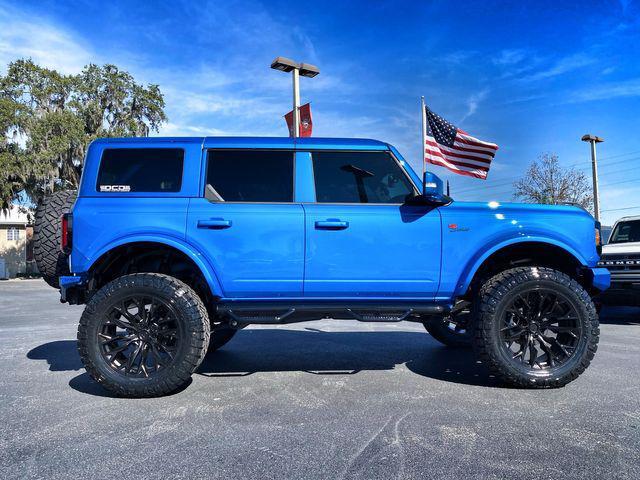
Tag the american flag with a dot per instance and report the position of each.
(452, 148)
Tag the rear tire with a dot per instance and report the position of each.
(135, 351)
(536, 327)
(50, 260)
(452, 334)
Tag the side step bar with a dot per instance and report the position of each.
(242, 313)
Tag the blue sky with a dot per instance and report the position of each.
(530, 76)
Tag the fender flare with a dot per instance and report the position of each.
(207, 270)
(473, 266)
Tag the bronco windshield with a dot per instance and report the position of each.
(626, 232)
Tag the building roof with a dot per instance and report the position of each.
(14, 216)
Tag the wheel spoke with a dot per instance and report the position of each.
(121, 348)
(143, 360)
(150, 339)
(116, 338)
(152, 308)
(510, 336)
(156, 356)
(124, 311)
(540, 328)
(521, 353)
(533, 351)
(142, 311)
(166, 350)
(558, 329)
(132, 358)
(554, 305)
(547, 351)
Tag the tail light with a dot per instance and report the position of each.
(598, 238)
(66, 237)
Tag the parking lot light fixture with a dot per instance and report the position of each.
(284, 64)
(306, 70)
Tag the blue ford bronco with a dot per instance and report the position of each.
(174, 244)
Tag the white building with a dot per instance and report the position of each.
(15, 235)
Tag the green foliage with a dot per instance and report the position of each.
(49, 119)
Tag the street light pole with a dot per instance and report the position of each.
(592, 139)
(306, 70)
(296, 102)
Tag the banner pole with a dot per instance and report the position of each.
(423, 146)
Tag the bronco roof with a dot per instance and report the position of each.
(258, 142)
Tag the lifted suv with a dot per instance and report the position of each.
(177, 243)
(621, 256)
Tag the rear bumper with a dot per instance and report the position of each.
(72, 289)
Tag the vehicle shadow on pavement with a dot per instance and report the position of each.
(310, 350)
(329, 353)
(61, 355)
(620, 316)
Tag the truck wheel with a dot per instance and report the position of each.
(51, 261)
(220, 335)
(143, 335)
(452, 334)
(536, 327)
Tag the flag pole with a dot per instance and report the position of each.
(422, 147)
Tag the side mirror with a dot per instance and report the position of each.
(428, 200)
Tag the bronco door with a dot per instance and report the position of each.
(246, 224)
(362, 241)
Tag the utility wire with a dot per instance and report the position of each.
(587, 167)
(620, 209)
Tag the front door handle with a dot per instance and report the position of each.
(331, 224)
(214, 223)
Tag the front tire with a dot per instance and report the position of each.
(536, 327)
(143, 335)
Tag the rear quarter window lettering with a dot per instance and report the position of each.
(140, 170)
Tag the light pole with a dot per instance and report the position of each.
(592, 139)
(306, 70)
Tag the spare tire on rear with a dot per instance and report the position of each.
(51, 261)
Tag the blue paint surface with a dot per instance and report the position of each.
(310, 250)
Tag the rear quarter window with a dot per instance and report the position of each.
(140, 170)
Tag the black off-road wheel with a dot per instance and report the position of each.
(50, 260)
(453, 330)
(143, 335)
(536, 327)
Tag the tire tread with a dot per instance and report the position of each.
(191, 307)
(50, 260)
(489, 296)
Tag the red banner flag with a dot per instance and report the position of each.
(306, 124)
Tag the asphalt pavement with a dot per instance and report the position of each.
(318, 400)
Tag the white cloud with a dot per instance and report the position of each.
(627, 88)
(472, 103)
(562, 66)
(28, 36)
(509, 57)
(170, 129)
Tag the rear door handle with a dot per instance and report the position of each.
(214, 223)
(331, 224)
